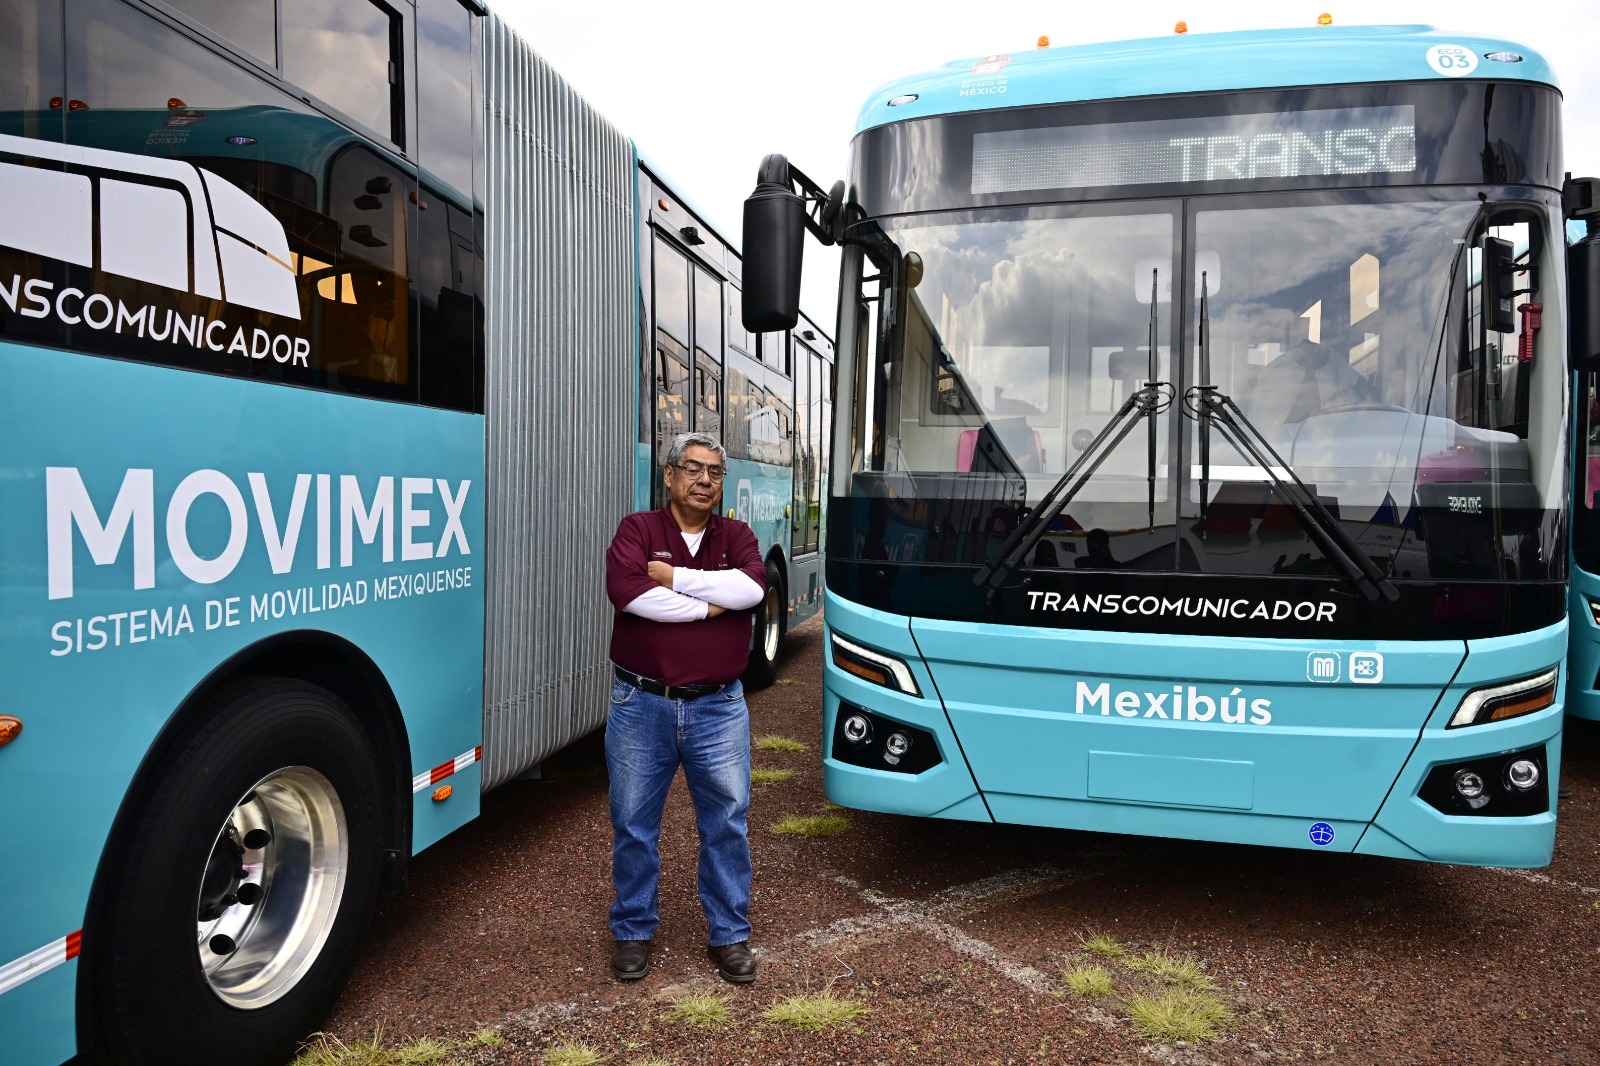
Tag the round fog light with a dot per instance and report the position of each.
(897, 744)
(1469, 783)
(1523, 774)
(857, 730)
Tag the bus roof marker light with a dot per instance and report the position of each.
(1503, 57)
(1044, 41)
(1325, 19)
(1181, 27)
(907, 98)
(240, 140)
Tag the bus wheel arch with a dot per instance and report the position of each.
(771, 622)
(317, 705)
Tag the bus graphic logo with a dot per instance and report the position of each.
(1324, 667)
(742, 500)
(1321, 834)
(1366, 667)
(160, 221)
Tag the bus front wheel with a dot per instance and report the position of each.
(767, 647)
(246, 886)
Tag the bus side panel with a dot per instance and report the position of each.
(153, 523)
(758, 495)
(1514, 841)
(1583, 646)
(945, 790)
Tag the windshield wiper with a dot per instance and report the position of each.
(1212, 407)
(1144, 403)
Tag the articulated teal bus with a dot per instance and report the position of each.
(335, 339)
(1203, 441)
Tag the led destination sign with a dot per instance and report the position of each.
(1285, 144)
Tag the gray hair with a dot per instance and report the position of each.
(684, 441)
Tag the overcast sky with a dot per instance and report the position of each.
(707, 87)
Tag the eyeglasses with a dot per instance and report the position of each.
(692, 471)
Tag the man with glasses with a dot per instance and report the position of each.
(683, 580)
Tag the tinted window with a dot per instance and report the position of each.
(444, 94)
(671, 370)
(250, 24)
(31, 85)
(708, 353)
(344, 52)
(742, 400)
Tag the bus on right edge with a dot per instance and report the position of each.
(1202, 442)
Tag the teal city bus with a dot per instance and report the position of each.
(1203, 440)
(334, 343)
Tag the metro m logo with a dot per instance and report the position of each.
(172, 225)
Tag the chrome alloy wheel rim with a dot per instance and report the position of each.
(773, 623)
(271, 888)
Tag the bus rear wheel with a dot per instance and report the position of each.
(246, 885)
(767, 647)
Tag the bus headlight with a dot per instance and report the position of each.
(857, 730)
(873, 666)
(1523, 775)
(1512, 699)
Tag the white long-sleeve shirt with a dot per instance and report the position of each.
(692, 593)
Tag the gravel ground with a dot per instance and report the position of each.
(954, 935)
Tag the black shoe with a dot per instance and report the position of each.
(630, 959)
(734, 962)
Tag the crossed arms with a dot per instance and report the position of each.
(685, 595)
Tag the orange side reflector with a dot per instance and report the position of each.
(1181, 27)
(442, 793)
(10, 729)
(1537, 700)
(862, 670)
(1044, 42)
(1324, 19)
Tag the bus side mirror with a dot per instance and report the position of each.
(1583, 304)
(1582, 202)
(774, 240)
(1499, 279)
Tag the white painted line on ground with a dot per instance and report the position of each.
(1545, 879)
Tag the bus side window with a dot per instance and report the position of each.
(364, 324)
(707, 353)
(31, 75)
(671, 344)
(346, 52)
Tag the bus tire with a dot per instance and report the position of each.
(248, 882)
(766, 648)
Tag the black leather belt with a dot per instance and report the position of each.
(656, 688)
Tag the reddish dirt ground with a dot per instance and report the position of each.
(954, 935)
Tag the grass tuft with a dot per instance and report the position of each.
(1181, 973)
(653, 1060)
(1188, 1014)
(331, 1051)
(705, 1010)
(813, 826)
(485, 1038)
(572, 1055)
(1087, 981)
(760, 776)
(815, 1013)
(786, 681)
(1104, 946)
(773, 742)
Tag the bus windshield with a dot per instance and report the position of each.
(1346, 328)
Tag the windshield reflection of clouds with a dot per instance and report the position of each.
(1004, 296)
(1344, 332)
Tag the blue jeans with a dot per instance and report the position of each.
(647, 738)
